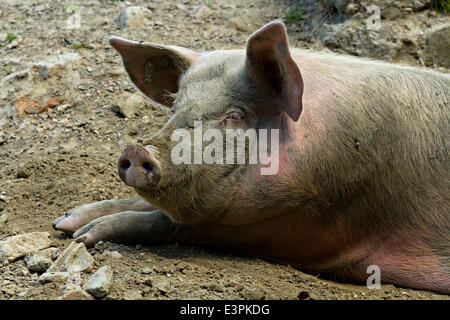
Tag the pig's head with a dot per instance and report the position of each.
(260, 88)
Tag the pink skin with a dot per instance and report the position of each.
(294, 236)
(82, 215)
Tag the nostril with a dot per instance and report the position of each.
(148, 167)
(124, 164)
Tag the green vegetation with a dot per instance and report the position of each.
(209, 4)
(441, 5)
(7, 69)
(294, 14)
(10, 37)
(77, 46)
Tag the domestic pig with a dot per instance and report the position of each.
(362, 174)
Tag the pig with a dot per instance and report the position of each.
(363, 169)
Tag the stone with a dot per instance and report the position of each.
(53, 65)
(438, 46)
(133, 294)
(40, 261)
(113, 254)
(22, 174)
(127, 104)
(14, 44)
(77, 294)
(351, 9)
(100, 282)
(147, 270)
(239, 24)
(254, 294)
(391, 13)
(57, 276)
(9, 83)
(340, 5)
(135, 17)
(75, 258)
(15, 247)
(163, 286)
(216, 287)
(203, 12)
(3, 219)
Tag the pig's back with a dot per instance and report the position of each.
(381, 132)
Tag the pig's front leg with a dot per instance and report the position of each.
(128, 228)
(82, 215)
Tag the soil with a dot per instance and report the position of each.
(55, 155)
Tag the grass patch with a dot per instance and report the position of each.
(10, 37)
(209, 4)
(441, 5)
(7, 69)
(294, 15)
(77, 46)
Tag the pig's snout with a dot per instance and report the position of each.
(138, 168)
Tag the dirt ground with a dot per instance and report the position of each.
(54, 160)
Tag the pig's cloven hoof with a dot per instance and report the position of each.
(96, 230)
(75, 218)
(66, 224)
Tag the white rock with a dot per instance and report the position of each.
(3, 219)
(203, 12)
(135, 17)
(16, 247)
(58, 277)
(77, 294)
(41, 260)
(438, 45)
(53, 65)
(75, 258)
(128, 103)
(100, 282)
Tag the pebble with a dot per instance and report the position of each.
(113, 254)
(438, 46)
(55, 64)
(239, 24)
(254, 294)
(40, 261)
(75, 258)
(135, 17)
(3, 219)
(99, 283)
(133, 294)
(18, 246)
(57, 276)
(147, 270)
(163, 286)
(303, 295)
(22, 173)
(216, 287)
(203, 12)
(77, 294)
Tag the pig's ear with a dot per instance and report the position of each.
(154, 69)
(270, 66)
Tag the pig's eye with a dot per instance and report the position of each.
(233, 116)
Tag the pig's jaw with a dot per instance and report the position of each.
(179, 209)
